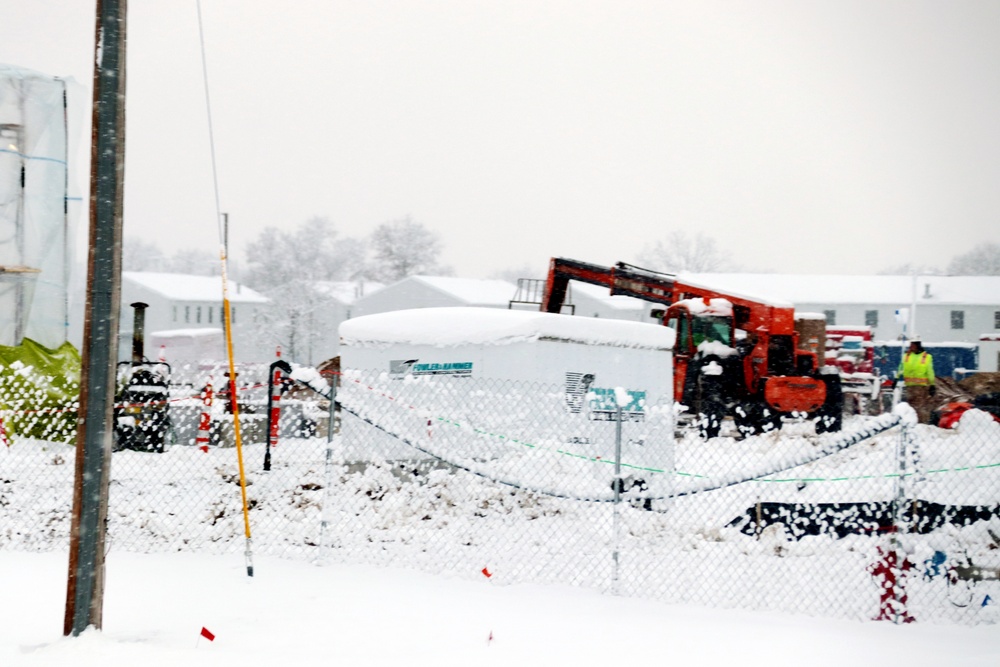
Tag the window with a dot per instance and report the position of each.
(996, 319)
(831, 316)
(232, 314)
(958, 319)
(197, 315)
(210, 311)
(187, 314)
(175, 313)
(871, 318)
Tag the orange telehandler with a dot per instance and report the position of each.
(733, 355)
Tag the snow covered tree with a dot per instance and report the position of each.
(286, 266)
(515, 273)
(139, 255)
(681, 252)
(911, 269)
(983, 260)
(403, 248)
(194, 262)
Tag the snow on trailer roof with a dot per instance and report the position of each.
(184, 287)
(450, 327)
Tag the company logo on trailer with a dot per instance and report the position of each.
(414, 367)
(601, 404)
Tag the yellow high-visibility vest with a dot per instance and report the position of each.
(917, 369)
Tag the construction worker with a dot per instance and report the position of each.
(917, 372)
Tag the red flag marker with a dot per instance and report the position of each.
(204, 448)
(207, 634)
(487, 573)
(490, 639)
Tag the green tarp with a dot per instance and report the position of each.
(39, 391)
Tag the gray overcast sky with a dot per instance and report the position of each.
(841, 136)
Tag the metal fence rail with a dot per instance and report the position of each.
(888, 519)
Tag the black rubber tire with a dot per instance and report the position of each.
(754, 418)
(830, 417)
(713, 406)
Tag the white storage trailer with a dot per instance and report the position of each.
(513, 345)
(568, 374)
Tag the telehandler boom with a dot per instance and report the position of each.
(734, 354)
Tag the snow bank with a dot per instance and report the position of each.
(296, 614)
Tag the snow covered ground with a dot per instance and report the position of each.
(449, 522)
(293, 613)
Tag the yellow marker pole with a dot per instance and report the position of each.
(237, 432)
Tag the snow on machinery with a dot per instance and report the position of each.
(851, 349)
(734, 355)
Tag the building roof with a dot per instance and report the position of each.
(184, 287)
(470, 291)
(604, 296)
(347, 292)
(833, 289)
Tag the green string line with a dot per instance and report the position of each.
(582, 457)
(799, 480)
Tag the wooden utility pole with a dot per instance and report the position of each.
(85, 586)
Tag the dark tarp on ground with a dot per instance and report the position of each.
(842, 519)
(40, 390)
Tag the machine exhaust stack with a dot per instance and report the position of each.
(139, 332)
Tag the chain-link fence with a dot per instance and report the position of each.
(887, 519)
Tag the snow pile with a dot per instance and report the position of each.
(444, 327)
(712, 307)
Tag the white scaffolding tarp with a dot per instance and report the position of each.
(33, 223)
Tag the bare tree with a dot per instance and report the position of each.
(681, 252)
(194, 262)
(403, 248)
(983, 260)
(139, 255)
(515, 273)
(911, 269)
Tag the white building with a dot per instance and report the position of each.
(436, 292)
(432, 292)
(597, 301)
(937, 308)
(341, 297)
(989, 353)
(188, 310)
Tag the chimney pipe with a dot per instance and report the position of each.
(138, 331)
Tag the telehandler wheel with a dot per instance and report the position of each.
(754, 418)
(830, 417)
(712, 406)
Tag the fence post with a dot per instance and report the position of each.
(616, 516)
(334, 412)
